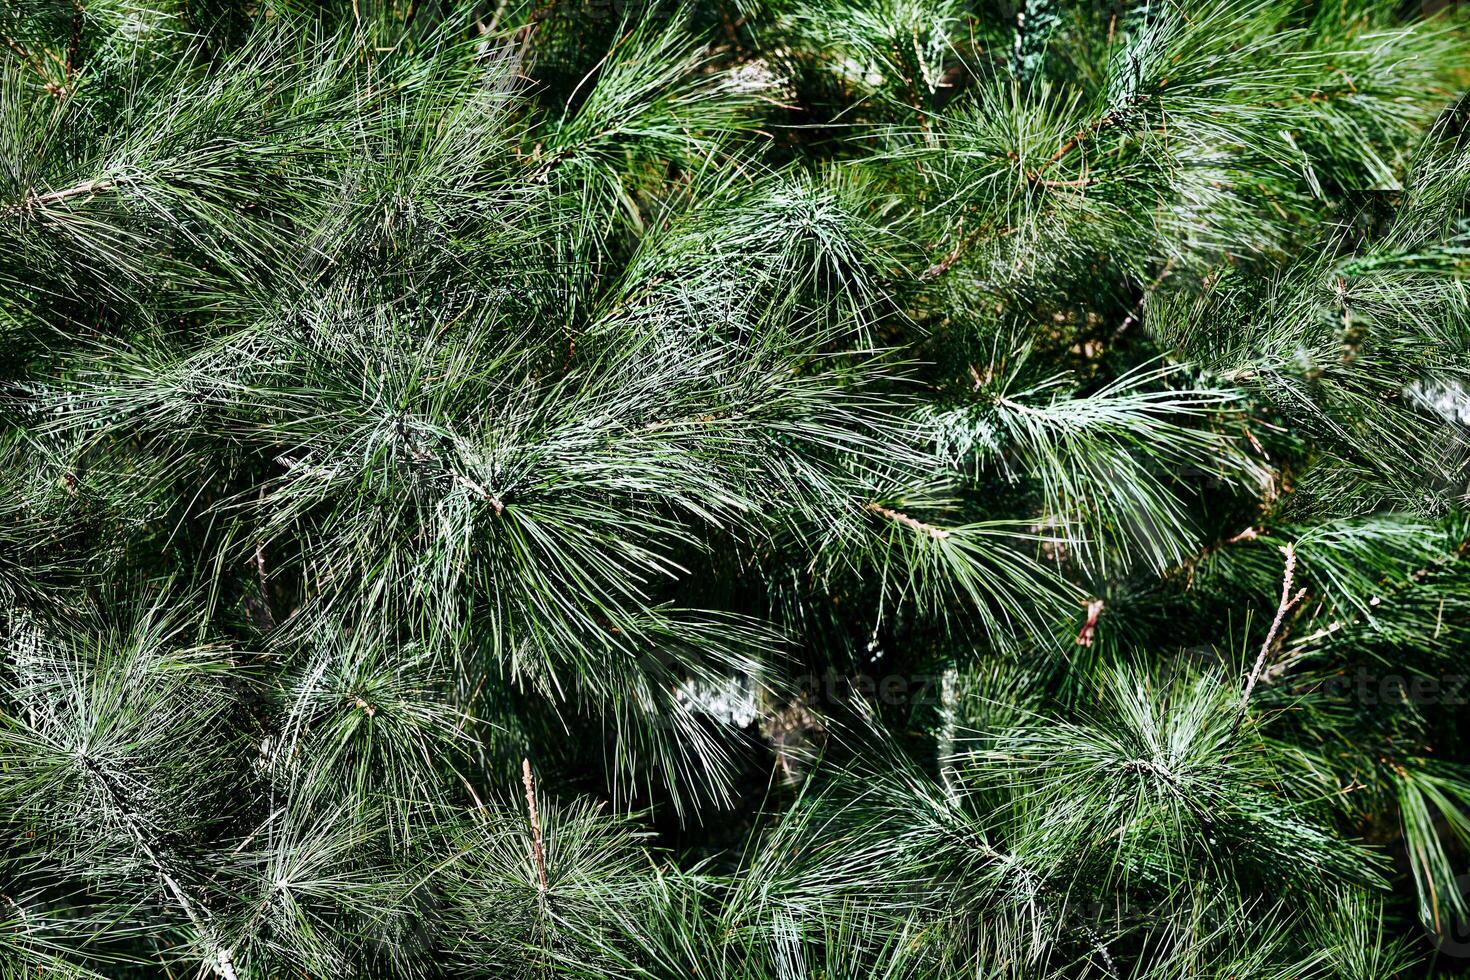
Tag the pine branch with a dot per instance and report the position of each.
(220, 957)
(592, 379)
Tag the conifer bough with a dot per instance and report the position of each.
(787, 489)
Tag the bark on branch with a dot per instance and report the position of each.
(1288, 600)
(538, 845)
(898, 517)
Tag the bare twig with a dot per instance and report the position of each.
(1137, 310)
(1088, 634)
(495, 18)
(55, 197)
(1414, 578)
(480, 491)
(942, 266)
(267, 616)
(86, 187)
(526, 31)
(897, 517)
(1077, 139)
(1283, 607)
(1037, 176)
(1078, 183)
(74, 47)
(538, 846)
(20, 50)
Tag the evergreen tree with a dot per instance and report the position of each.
(737, 489)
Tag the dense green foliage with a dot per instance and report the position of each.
(754, 489)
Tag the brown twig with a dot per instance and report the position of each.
(36, 200)
(1288, 600)
(268, 617)
(86, 187)
(538, 846)
(265, 596)
(1036, 176)
(1085, 133)
(942, 266)
(74, 48)
(1079, 182)
(1088, 634)
(36, 63)
(1137, 310)
(898, 517)
(526, 31)
(1416, 577)
(480, 491)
